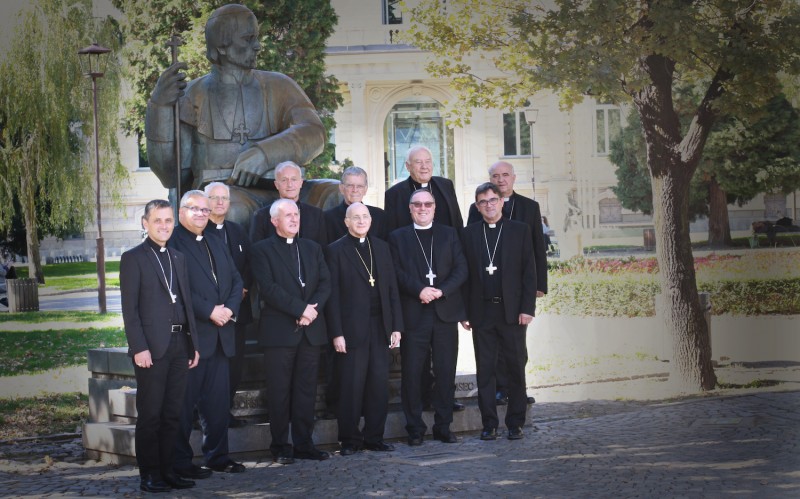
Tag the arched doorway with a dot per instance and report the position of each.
(416, 120)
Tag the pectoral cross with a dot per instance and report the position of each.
(372, 282)
(430, 275)
(242, 131)
(491, 268)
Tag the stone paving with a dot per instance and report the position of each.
(710, 446)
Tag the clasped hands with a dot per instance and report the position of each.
(221, 315)
(428, 294)
(309, 315)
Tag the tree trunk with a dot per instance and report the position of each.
(719, 227)
(28, 204)
(691, 368)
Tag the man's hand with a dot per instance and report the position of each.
(193, 362)
(466, 325)
(143, 359)
(395, 340)
(220, 315)
(170, 85)
(310, 313)
(339, 344)
(428, 294)
(539, 294)
(251, 165)
(525, 319)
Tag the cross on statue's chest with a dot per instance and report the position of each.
(430, 275)
(242, 131)
(491, 268)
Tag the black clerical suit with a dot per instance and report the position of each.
(291, 353)
(147, 278)
(235, 238)
(312, 224)
(526, 210)
(395, 203)
(335, 227)
(214, 281)
(494, 302)
(365, 316)
(431, 327)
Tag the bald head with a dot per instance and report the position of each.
(502, 175)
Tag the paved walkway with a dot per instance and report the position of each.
(713, 446)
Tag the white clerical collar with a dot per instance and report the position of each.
(162, 249)
(505, 200)
(221, 226)
(289, 240)
(198, 238)
(424, 186)
(362, 239)
(426, 227)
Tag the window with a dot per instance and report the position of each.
(610, 211)
(516, 135)
(391, 12)
(606, 128)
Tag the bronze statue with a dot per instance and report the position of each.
(236, 123)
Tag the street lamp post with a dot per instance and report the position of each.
(93, 60)
(530, 117)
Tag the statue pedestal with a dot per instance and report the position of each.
(570, 244)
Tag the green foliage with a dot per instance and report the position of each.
(28, 352)
(72, 269)
(46, 120)
(57, 316)
(754, 296)
(293, 36)
(43, 415)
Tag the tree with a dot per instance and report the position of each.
(741, 160)
(45, 119)
(293, 36)
(628, 52)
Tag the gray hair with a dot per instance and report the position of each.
(355, 171)
(287, 164)
(416, 148)
(278, 204)
(213, 185)
(194, 193)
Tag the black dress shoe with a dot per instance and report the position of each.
(379, 446)
(229, 467)
(348, 450)
(489, 434)
(414, 440)
(283, 459)
(447, 438)
(194, 472)
(314, 454)
(153, 483)
(236, 422)
(177, 482)
(458, 407)
(531, 400)
(515, 433)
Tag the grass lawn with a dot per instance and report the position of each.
(46, 415)
(57, 316)
(30, 352)
(70, 269)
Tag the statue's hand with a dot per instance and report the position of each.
(170, 85)
(250, 166)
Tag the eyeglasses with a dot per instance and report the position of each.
(197, 209)
(359, 218)
(219, 198)
(484, 202)
(420, 204)
(354, 187)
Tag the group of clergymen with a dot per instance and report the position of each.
(355, 280)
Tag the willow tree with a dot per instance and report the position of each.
(46, 121)
(627, 52)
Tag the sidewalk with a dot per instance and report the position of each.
(742, 442)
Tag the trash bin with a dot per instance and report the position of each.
(23, 295)
(649, 239)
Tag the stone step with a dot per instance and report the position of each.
(113, 442)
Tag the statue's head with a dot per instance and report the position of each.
(232, 37)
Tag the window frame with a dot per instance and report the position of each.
(607, 135)
(519, 120)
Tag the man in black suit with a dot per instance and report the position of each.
(233, 237)
(353, 187)
(289, 181)
(162, 339)
(294, 284)
(501, 299)
(430, 268)
(364, 317)
(216, 297)
(523, 209)
(419, 163)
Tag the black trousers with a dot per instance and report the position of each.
(291, 393)
(237, 361)
(207, 390)
(439, 340)
(364, 388)
(159, 402)
(489, 340)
